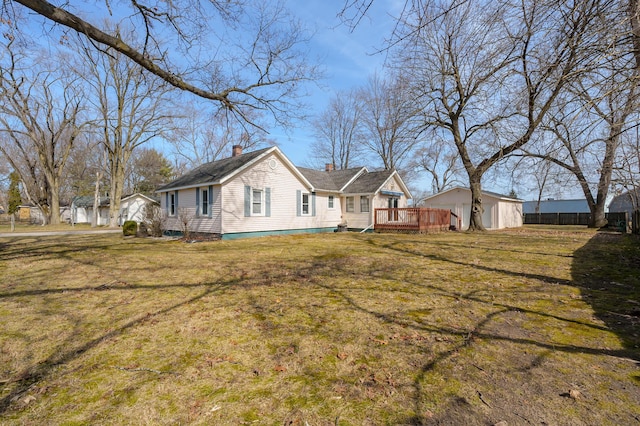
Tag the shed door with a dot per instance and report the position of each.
(486, 215)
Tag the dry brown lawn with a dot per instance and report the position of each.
(530, 327)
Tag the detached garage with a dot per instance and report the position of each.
(500, 211)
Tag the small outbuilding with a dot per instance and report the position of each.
(626, 202)
(500, 211)
(131, 208)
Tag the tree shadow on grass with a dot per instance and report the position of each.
(40, 371)
(607, 271)
(610, 260)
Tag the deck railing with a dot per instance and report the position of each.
(413, 219)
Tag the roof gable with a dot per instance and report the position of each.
(369, 183)
(87, 201)
(488, 193)
(215, 171)
(139, 195)
(627, 201)
(220, 171)
(334, 180)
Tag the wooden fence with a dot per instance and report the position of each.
(413, 219)
(614, 219)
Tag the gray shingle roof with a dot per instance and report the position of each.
(87, 201)
(335, 180)
(625, 202)
(331, 181)
(368, 183)
(213, 172)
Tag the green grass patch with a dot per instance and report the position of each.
(530, 326)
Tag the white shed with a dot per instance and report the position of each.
(132, 207)
(500, 211)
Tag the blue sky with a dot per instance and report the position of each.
(348, 58)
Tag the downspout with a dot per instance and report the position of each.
(367, 228)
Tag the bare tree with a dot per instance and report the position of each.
(441, 163)
(488, 73)
(388, 119)
(339, 139)
(243, 55)
(626, 174)
(599, 108)
(133, 106)
(199, 137)
(40, 117)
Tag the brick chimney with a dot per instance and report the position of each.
(236, 150)
(328, 167)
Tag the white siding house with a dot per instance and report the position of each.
(131, 208)
(263, 193)
(500, 211)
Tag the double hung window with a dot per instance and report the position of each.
(364, 204)
(350, 204)
(172, 204)
(257, 202)
(204, 209)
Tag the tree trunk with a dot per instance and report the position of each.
(13, 222)
(597, 215)
(96, 202)
(475, 219)
(54, 211)
(117, 181)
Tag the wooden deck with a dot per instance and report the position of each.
(415, 219)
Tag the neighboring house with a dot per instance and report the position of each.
(500, 211)
(556, 206)
(82, 210)
(626, 202)
(131, 208)
(30, 213)
(263, 193)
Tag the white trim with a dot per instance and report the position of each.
(249, 164)
(356, 176)
(283, 158)
(404, 188)
(309, 207)
(484, 193)
(346, 204)
(263, 204)
(368, 198)
(137, 194)
(333, 200)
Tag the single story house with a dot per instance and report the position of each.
(131, 208)
(500, 211)
(263, 193)
(556, 206)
